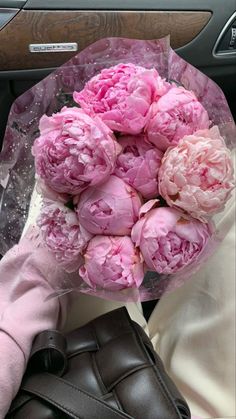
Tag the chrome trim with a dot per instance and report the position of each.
(222, 33)
(54, 47)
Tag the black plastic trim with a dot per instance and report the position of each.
(32, 74)
(121, 4)
(12, 4)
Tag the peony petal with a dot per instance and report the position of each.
(120, 267)
(152, 203)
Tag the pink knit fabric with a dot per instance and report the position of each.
(27, 277)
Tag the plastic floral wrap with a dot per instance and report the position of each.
(127, 197)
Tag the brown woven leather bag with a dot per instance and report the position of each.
(107, 369)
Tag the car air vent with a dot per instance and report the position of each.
(226, 42)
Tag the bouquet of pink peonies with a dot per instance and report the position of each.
(133, 162)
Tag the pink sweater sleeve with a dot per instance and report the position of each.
(27, 277)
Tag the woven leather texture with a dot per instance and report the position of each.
(113, 359)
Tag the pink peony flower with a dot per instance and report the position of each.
(174, 115)
(168, 241)
(112, 263)
(63, 235)
(197, 174)
(138, 165)
(121, 96)
(74, 151)
(109, 209)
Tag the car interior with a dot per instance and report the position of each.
(36, 36)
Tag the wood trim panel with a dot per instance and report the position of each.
(86, 27)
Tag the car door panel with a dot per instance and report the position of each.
(85, 27)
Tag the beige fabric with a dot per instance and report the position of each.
(193, 330)
(84, 308)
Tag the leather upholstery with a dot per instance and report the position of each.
(113, 359)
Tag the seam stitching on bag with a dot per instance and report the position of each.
(97, 374)
(127, 374)
(117, 399)
(165, 391)
(157, 374)
(94, 332)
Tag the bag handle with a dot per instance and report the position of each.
(48, 356)
(68, 398)
(48, 353)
